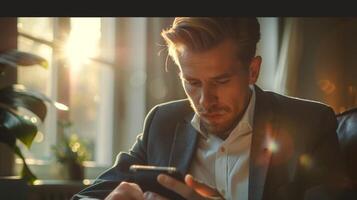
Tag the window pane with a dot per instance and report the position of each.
(38, 79)
(35, 77)
(40, 27)
(91, 107)
(83, 41)
(90, 88)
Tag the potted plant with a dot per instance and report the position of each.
(71, 152)
(15, 125)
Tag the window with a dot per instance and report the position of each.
(80, 52)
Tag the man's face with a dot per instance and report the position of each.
(217, 85)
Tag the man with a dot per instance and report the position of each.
(231, 139)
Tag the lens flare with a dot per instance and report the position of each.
(273, 146)
(305, 161)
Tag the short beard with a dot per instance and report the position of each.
(222, 133)
(206, 128)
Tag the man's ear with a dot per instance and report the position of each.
(254, 69)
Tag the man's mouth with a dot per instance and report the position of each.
(211, 116)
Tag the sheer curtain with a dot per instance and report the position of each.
(280, 47)
(285, 80)
(317, 60)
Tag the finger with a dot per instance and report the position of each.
(130, 186)
(177, 186)
(153, 196)
(126, 190)
(200, 187)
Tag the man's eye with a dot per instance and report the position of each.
(222, 81)
(193, 83)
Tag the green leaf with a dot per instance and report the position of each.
(5, 136)
(14, 124)
(28, 99)
(26, 173)
(14, 57)
(15, 97)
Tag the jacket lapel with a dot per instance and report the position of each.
(264, 132)
(184, 145)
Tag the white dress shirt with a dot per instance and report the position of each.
(224, 164)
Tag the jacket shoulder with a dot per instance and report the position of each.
(299, 104)
(176, 104)
(173, 109)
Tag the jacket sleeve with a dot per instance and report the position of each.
(327, 170)
(111, 178)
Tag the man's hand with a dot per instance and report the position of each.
(126, 191)
(193, 189)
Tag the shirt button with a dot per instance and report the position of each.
(222, 149)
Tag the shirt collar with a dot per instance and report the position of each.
(246, 119)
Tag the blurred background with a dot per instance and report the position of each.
(111, 71)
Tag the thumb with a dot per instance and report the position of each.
(199, 187)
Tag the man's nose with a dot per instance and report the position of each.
(208, 97)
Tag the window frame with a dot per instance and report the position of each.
(58, 92)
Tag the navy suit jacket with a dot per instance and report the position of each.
(307, 153)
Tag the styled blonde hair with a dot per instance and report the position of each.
(202, 33)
